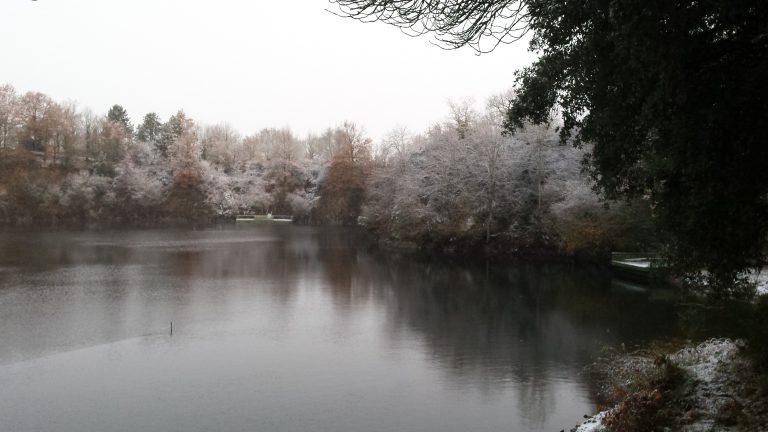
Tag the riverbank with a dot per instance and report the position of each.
(711, 386)
(497, 251)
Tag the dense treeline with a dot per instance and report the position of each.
(60, 166)
(462, 185)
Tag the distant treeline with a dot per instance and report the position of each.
(460, 186)
(61, 166)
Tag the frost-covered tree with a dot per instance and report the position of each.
(140, 193)
(395, 203)
(220, 146)
(109, 143)
(322, 146)
(9, 119)
(464, 181)
(150, 128)
(84, 198)
(489, 152)
(239, 192)
(171, 130)
(463, 115)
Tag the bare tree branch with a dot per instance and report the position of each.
(480, 24)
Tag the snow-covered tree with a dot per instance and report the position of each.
(220, 145)
(9, 119)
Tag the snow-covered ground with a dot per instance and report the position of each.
(762, 282)
(714, 367)
(593, 424)
(718, 374)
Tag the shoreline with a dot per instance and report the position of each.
(709, 386)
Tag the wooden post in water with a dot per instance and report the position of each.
(171, 328)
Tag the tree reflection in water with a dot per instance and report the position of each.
(524, 328)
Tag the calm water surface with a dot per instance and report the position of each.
(283, 328)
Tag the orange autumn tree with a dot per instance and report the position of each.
(188, 196)
(343, 191)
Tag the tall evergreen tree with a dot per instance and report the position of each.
(171, 130)
(150, 128)
(118, 114)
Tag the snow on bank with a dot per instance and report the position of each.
(593, 424)
(714, 366)
(762, 282)
(715, 370)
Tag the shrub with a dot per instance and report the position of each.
(638, 412)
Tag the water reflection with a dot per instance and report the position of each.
(486, 348)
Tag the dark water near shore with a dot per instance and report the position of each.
(283, 328)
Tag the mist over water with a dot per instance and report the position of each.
(285, 328)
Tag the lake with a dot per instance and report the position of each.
(285, 328)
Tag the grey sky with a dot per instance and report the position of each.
(251, 63)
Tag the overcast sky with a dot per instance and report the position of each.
(250, 63)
